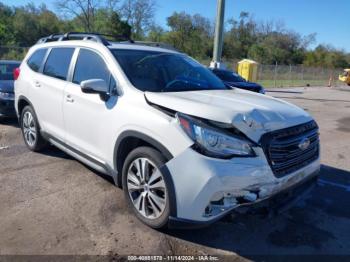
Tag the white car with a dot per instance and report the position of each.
(185, 149)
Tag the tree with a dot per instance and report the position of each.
(83, 10)
(241, 36)
(108, 21)
(192, 34)
(6, 24)
(139, 14)
(31, 23)
(156, 34)
(327, 56)
(267, 42)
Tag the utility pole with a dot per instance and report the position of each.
(219, 34)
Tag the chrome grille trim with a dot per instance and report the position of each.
(282, 150)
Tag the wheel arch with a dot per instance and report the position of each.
(129, 140)
(23, 102)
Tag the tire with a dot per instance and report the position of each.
(147, 195)
(31, 130)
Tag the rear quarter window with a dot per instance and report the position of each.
(36, 59)
(57, 63)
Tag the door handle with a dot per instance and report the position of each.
(37, 83)
(69, 99)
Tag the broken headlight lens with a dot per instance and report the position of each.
(212, 141)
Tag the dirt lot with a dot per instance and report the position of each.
(52, 204)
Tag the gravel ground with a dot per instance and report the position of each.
(50, 204)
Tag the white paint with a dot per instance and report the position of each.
(92, 126)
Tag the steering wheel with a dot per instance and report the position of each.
(179, 80)
(173, 82)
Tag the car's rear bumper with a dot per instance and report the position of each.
(7, 108)
(277, 203)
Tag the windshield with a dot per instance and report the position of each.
(6, 71)
(229, 76)
(165, 72)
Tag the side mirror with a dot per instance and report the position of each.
(94, 86)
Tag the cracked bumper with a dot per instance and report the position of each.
(198, 180)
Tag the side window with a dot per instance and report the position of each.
(36, 59)
(90, 65)
(57, 64)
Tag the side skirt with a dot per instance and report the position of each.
(88, 160)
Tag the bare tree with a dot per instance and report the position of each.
(113, 5)
(84, 10)
(139, 14)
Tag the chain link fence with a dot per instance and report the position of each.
(297, 75)
(268, 75)
(294, 75)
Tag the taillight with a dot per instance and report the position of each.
(16, 72)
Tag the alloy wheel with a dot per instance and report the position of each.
(146, 187)
(29, 128)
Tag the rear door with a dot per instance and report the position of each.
(86, 116)
(50, 90)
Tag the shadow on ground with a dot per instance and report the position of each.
(303, 227)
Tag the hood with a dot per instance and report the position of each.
(252, 113)
(6, 86)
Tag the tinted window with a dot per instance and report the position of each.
(228, 76)
(165, 72)
(58, 62)
(35, 61)
(90, 66)
(6, 70)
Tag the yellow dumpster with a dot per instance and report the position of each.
(248, 69)
(345, 77)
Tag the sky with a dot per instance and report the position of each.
(329, 19)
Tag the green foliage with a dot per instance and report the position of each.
(6, 21)
(139, 15)
(266, 42)
(191, 34)
(327, 56)
(30, 23)
(109, 22)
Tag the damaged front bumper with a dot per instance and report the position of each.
(273, 204)
(208, 188)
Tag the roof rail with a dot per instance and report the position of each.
(104, 39)
(100, 38)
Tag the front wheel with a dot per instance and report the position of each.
(145, 187)
(31, 131)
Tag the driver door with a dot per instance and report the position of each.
(86, 115)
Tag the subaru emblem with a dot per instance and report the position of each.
(304, 143)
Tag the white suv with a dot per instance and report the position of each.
(185, 149)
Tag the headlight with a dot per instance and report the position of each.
(212, 141)
(262, 91)
(7, 96)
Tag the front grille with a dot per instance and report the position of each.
(284, 151)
